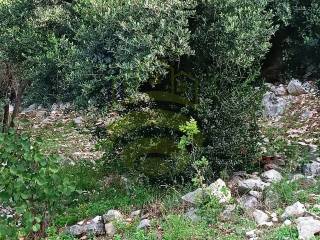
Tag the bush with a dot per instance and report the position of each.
(30, 184)
(230, 39)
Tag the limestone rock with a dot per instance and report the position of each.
(295, 210)
(296, 88)
(228, 213)
(273, 106)
(94, 227)
(217, 189)
(307, 227)
(192, 215)
(135, 214)
(249, 203)
(255, 184)
(312, 169)
(271, 176)
(112, 215)
(110, 230)
(144, 224)
(260, 217)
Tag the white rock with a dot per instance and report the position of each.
(110, 230)
(260, 217)
(94, 226)
(78, 121)
(295, 210)
(112, 215)
(217, 189)
(145, 223)
(251, 234)
(307, 227)
(228, 212)
(271, 176)
(295, 88)
(287, 222)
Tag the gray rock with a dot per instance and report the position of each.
(217, 189)
(296, 88)
(308, 227)
(251, 234)
(78, 121)
(272, 199)
(248, 202)
(280, 90)
(144, 224)
(271, 176)
(110, 230)
(260, 217)
(228, 213)
(29, 109)
(287, 222)
(312, 169)
(294, 211)
(112, 215)
(256, 194)
(192, 215)
(94, 227)
(135, 214)
(273, 106)
(255, 184)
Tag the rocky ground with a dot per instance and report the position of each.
(282, 201)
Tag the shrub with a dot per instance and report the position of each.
(30, 183)
(230, 39)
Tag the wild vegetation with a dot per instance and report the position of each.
(166, 93)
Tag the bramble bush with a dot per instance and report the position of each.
(30, 184)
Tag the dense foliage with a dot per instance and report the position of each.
(30, 184)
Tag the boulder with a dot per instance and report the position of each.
(92, 227)
(296, 88)
(112, 215)
(217, 189)
(144, 224)
(255, 184)
(308, 227)
(110, 230)
(256, 194)
(271, 176)
(294, 211)
(249, 203)
(312, 169)
(260, 217)
(273, 106)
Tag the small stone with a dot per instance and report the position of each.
(273, 106)
(295, 210)
(308, 227)
(287, 222)
(251, 234)
(260, 217)
(110, 229)
(144, 224)
(112, 215)
(266, 224)
(94, 226)
(271, 176)
(78, 121)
